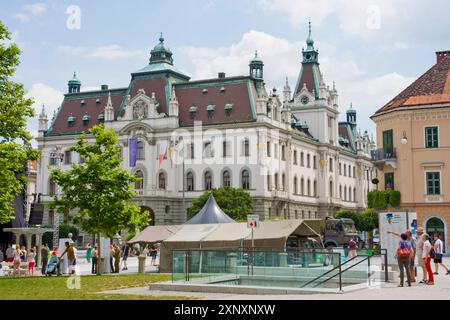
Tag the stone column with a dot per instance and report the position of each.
(18, 235)
(39, 247)
(28, 240)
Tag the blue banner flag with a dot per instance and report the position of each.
(133, 152)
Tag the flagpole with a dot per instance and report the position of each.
(184, 187)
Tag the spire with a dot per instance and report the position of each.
(286, 91)
(43, 121)
(43, 115)
(309, 40)
(109, 109)
(161, 38)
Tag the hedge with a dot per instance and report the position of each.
(381, 199)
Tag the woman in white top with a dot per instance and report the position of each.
(427, 258)
(439, 249)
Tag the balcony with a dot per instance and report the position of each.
(382, 157)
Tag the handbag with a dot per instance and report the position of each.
(403, 252)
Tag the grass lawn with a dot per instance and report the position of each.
(55, 288)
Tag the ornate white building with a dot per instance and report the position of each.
(184, 137)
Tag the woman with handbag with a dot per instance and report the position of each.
(403, 255)
(427, 255)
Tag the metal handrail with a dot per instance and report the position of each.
(342, 271)
(337, 267)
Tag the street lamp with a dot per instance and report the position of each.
(404, 140)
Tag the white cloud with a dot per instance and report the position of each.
(111, 52)
(30, 10)
(361, 18)
(47, 95)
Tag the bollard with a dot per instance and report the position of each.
(141, 268)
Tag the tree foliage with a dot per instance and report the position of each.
(237, 203)
(366, 220)
(15, 109)
(64, 230)
(380, 199)
(99, 190)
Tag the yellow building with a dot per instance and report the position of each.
(413, 147)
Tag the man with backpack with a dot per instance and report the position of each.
(403, 255)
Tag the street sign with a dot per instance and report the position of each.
(252, 221)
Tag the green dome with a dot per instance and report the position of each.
(256, 59)
(161, 53)
(161, 46)
(309, 40)
(74, 80)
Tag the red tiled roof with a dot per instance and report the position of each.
(432, 87)
(236, 93)
(72, 106)
(307, 77)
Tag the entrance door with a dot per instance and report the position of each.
(436, 225)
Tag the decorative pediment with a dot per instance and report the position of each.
(139, 130)
(304, 97)
(142, 107)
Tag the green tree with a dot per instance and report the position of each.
(15, 151)
(99, 189)
(355, 216)
(237, 203)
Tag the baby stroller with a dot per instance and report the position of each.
(53, 267)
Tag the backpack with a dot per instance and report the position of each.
(432, 253)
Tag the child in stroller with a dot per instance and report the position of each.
(53, 265)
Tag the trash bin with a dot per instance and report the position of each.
(141, 267)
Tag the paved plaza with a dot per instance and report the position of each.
(386, 291)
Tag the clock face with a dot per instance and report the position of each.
(304, 100)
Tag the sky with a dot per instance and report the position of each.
(371, 49)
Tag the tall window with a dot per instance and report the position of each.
(275, 178)
(139, 183)
(302, 186)
(208, 180)
(354, 194)
(268, 149)
(431, 137)
(245, 179)
(246, 147)
(140, 150)
(68, 157)
(295, 186)
(315, 188)
(190, 181)
(340, 169)
(389, 181)
(345, 170)
(308, 161)
(51, 188)
(354, 172)
(302, 160)
(51, 217)
(433, 183)
(331, 165)
(226, 149)
(269, 182)
(208, 151)
(340, 192)
(226, 178)
(295, 156)
(345, 193)
(308, 188)
(331, 188)
(191, 151)
(315, 162)
(162, 181)
(283, 182)
(388, 143)
(283, 153)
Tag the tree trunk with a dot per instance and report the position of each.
(99, 256)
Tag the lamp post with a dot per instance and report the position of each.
(404, 140)
(58, 158)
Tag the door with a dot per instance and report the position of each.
(436, 225)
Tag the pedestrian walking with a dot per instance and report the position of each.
(153, 254)
(412, 241)
(88, 253)
(403, 255)
(31, 262)
(126, 253)
(117, 253)
(352, 246)
(111, 255)
(439, 251)
(427, 254)
(94, 256)
(44, 260)
(17, 258)
(419, 254)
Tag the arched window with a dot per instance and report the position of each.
(226, 178)
(340, 192)
(269, 182)
(345, 170)
(345, 193)
(302, 186)
(162, 181)
(140, 150)
(208, 180)
(190, 181)
(308, 188)
(283, 182)
(354, 194)
(245, 180)
(246, 147)
(139, 183)
(295, 186)
(51, 188)
(331, 165)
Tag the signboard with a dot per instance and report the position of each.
(398, 222)
(252, 221)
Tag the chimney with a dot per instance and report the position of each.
(104, 87)
(221, 75)
(440, 55)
